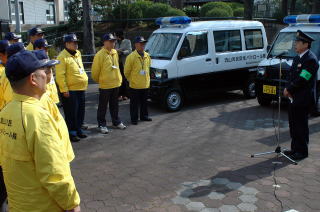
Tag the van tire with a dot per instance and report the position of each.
(249, 90)
(173, 100)
(263, 101)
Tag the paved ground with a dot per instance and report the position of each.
(197, 159)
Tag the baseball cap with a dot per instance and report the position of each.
(35, 31)
(108, 36)
(140, 39)
(3, 45)
(41, 43)
(22, 64)
(43, 56)
(14, 48)
(70, 38)
(12, 36)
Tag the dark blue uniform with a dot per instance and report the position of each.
(301, 79)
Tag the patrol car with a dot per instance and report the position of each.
(267, 82)
(192, 57)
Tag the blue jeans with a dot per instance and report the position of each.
(74, 111)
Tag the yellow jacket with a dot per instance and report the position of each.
(30, 47)
(105, 69)
(52, 108)
(70, 73)
(5, 89)
(137, 70)
(52, 90)
(35, 163)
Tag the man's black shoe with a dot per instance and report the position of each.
(298, 156)
(84, 127)
(146, 119)
(134, 122)
(82, 135)
(288, 152)
(74, 138)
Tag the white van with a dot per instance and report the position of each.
(267, 82)
(192, 57)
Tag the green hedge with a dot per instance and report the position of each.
(238, 12)
(191, 11)
(215, 5)
(217, 12)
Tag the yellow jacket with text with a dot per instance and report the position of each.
(30, 47)
(70, 73)
(105, 69)
(34, 160)
(137, 70)
(52, 90)
(5, 88)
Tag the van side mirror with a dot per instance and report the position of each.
(268, 47)
(182, 53)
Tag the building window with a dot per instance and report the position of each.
(66, 10)
(227, 41)
(50, 13)
(13, 14)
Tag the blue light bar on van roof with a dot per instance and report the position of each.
(303, 19)
(173, 20)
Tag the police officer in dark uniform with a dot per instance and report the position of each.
(299, 90)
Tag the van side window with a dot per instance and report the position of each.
(254, 39)
(227, 41)
(195, 44)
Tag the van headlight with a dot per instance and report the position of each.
(156, 73)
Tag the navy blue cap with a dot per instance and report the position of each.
(14, 48)
(35, 31)
(41, 43)
(3, 45)
(140, 39)
(12, 36)
(22, 64)
(43, 56)
(301, 36)
(108, 36)
(70, 38)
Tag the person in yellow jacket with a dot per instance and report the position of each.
(137, 72)
(34, 34)
(105, 71)
(72, 82)
(5, 87)
(35, 165)
(42, 44)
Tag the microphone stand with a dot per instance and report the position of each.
(278, 149)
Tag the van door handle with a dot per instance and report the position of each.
(217, 60)
(208, 59)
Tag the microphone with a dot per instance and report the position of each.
(280, 55)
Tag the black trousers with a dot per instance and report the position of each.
(299, 129)
(108, 96)
(3, 192)
(123, 90)
(74, 111)
(138, 98)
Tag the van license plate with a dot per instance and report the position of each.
(268, 89)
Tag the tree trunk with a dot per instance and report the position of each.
(88, 33)
(248, 9)
(316, 6)
(284, 7)
(293, 6)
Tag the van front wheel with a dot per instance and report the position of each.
(249, 89)
(173, 100)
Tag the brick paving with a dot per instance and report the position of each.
(197, 159)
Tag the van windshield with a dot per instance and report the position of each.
(285, 42)
(163, 45)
